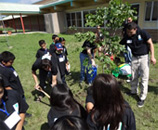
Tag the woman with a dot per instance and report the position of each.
(12, 109)
(62, 104)
(110, 111)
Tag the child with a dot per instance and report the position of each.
(43, 50)
(60, 61)
(11, 103)
(62, 104)
(11, 78)
(55, 39)
(109, 111)
(45, 66)
(62, 41)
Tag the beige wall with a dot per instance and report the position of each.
(55, 22)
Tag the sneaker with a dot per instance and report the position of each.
(25, 123)
(128, 80)
(27, 115)
(140, 103)
(131, 94)
(90, 84)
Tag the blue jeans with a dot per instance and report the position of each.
(83, 68)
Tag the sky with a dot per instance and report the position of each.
(20, 1)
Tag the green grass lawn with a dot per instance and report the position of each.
(25, 46)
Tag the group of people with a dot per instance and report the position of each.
(52, 64)
(105, 109)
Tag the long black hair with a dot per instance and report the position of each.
(70, 123)
(109, 102)
(61, 98)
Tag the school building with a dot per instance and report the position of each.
(56, 16)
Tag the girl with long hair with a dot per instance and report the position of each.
(62, 104)
(110, 111)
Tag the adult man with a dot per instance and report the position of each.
(140, 43)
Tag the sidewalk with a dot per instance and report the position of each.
(6, 34)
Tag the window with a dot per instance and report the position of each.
(136, 8)
(68, 16)
(151, 11)
(73, 16)
(84, 16)
(155, 11)
(79, 19)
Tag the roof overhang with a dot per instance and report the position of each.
(62, 5)
(12, 8)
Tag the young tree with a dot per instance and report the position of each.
(113, 18)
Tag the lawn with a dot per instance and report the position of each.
(25, 46)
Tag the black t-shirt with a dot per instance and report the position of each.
(11, 79)
(55, 113)
(52, 49)
(86, 45)
(65, 50)
(128, 120)
(37, 65)
(60, 61)
(137, 43)
(13, 102)
(41, 52)
(89, 97)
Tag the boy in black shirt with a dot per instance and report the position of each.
(60, 61)
(46, 66)
(43, 50)
(11, 78)
(11, 103)
(55, 39)
(62, 41)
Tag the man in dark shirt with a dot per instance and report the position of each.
(140, 44)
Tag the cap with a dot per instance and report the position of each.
(58, 46)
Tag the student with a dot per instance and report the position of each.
(55, 39)
(60, 60)
(11, 78)
(62, 41)
(70, 123)
(62, 104)
(110, 111)
(87, 53)
(46, 66)
(43, 50)
(141, 44)
(11, 103)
